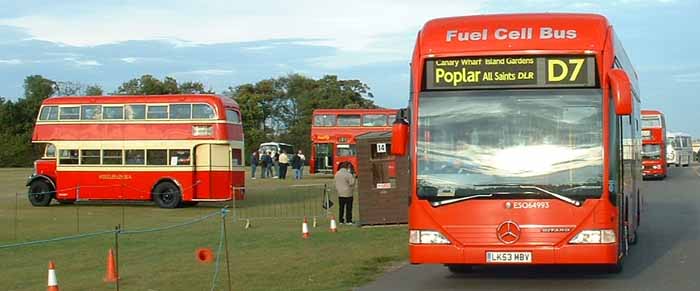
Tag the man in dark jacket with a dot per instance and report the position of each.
(297, 163)
(253, 164)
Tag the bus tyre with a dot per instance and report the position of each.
(460, 269)
(167, 195)
(615, 268)
(40, 193)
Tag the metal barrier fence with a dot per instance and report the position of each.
(82, 257)
(295, 201)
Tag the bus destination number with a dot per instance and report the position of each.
(510, 72)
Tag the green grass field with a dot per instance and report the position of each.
(269, 256)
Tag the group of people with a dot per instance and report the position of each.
(275, 165)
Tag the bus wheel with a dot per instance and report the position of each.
(460, 269)
(167, 195)
(40, 193)
(615, 268)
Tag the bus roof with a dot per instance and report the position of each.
(590, 33)
(121, 99)
(355, 111)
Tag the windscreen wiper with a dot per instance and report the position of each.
(542, 190)
(455, 200)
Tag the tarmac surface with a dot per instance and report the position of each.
(667, 256)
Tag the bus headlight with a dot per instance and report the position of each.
(426, 237)
(598, 236)
(656, 167)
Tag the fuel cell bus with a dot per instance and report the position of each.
(333, 133)
(523, 132)
(653, 144)
(171, 149)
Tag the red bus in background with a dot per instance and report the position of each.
(172, 149)
(524, 142)
(333, 133)
(653, 144)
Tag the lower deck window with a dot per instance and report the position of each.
(68, 157)
(90, 157)
(112, 157)
(135, 157)
(157, 157)
(179, 157)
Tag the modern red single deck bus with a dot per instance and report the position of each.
(524, 142)
(172, 149)
(333, 133)
(653, 144)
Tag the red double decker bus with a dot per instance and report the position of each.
(524, 142)
(333, 133)
(172, 149)
(653, 144)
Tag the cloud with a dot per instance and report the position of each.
(11, 61)
(348, 26)
(86, 63)
(206, 72)
(687, 78)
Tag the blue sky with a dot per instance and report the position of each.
(226, 43)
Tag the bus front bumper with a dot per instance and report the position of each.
(541, 255)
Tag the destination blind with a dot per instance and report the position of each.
(510, 72)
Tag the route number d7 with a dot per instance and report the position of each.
(559, 70)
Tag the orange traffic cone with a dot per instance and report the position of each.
(305, 229)
(111, 276)
(53, 282)
(334, 227)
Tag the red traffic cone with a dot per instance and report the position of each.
(305, 229)
(111, 276)
(334, 227)
(53, 282)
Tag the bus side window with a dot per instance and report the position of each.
(49, 113)
(68, 157)
(236, 157)
(179, 157)
(135, 157)
(202, 111)
(135, 112)
(50, 151)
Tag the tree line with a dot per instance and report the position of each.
(277, 109)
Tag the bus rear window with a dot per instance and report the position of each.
(233, 116)
(348, 120)
(324, 120)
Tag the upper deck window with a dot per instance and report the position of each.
(180, 111)
(112, 112)
(91, 112)
(651, 121)
(49, 113)
(135, 111)
(349, 120)
(233, 116)
(202, 111)
(69, 113)
(374, 120)
(157, 112)
(324, 120)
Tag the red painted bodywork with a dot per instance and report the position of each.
(334, 134)
(657, 135)
(471, 225)
(130, 184)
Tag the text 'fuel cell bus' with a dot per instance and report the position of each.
(171, 149)
(524, 140)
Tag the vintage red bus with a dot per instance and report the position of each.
(172, 149)
(653, 144)
(333, 133)
(524, 141)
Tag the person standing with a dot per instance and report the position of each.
(300, 172)
(275, 164)
(344, 185)
(283, 160)
(254, 159)
(297, 164)
(267, 171)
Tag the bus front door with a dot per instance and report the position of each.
(324, 158)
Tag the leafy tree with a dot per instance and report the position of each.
(149, 85)
(68, 88)
(281, 109)
(94, 90)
